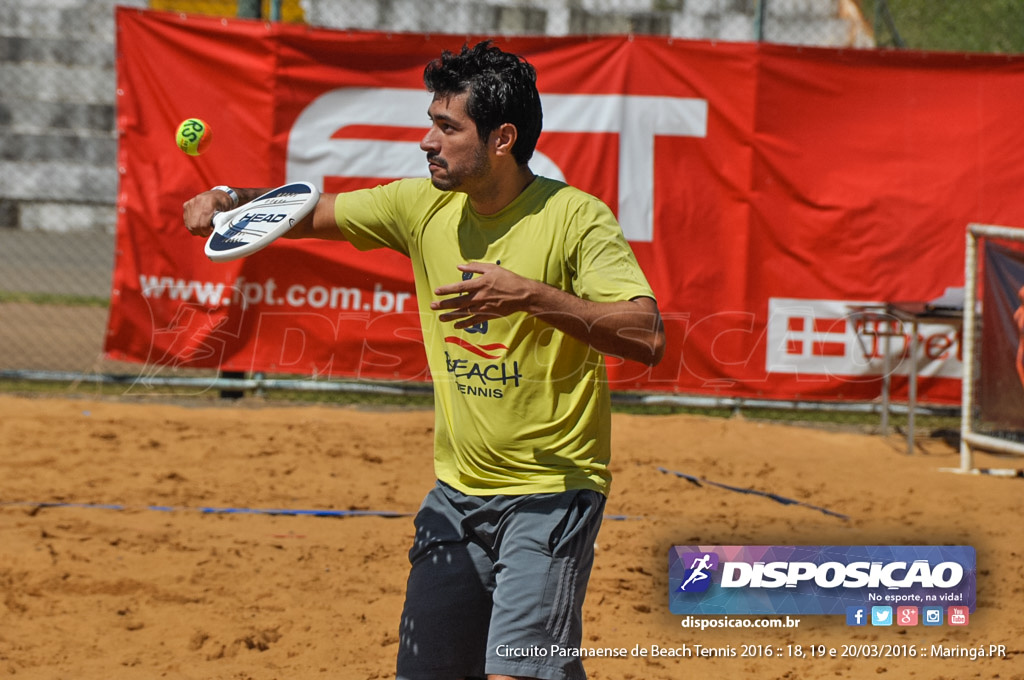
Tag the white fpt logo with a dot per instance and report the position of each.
(828, 338)
(315, 153)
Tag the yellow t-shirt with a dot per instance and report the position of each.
(519, 406)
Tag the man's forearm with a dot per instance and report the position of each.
(318, 224)
(631, 329)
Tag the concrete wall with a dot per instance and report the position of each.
(58, 143)
(57, 140)
(803, 22)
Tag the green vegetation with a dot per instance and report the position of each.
(64, 299)
(993, 26)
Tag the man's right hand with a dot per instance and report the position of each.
(198, 211)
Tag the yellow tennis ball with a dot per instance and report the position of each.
(194, 136)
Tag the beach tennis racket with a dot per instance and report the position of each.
(255, 225)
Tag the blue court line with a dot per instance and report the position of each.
(775, 497)
(230, 511)
(211, 510)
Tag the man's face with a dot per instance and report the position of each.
(457, 159)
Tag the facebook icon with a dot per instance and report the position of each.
(856, 616)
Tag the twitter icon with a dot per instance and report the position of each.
(881, 616)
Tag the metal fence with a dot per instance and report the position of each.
(58, 174)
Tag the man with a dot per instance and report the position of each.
(522, 282)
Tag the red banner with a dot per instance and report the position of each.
(766, 190)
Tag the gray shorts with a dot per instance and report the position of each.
(497, 585)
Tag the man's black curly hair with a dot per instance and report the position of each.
(502, 89)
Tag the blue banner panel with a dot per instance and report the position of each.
(1000, 386)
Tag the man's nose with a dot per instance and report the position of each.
(430, 141)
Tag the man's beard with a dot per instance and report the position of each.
(480, 168)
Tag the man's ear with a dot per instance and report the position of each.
(504, 138)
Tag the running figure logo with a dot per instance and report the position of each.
(697, 575)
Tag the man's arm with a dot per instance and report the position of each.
(198, 214)
(631, 329)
